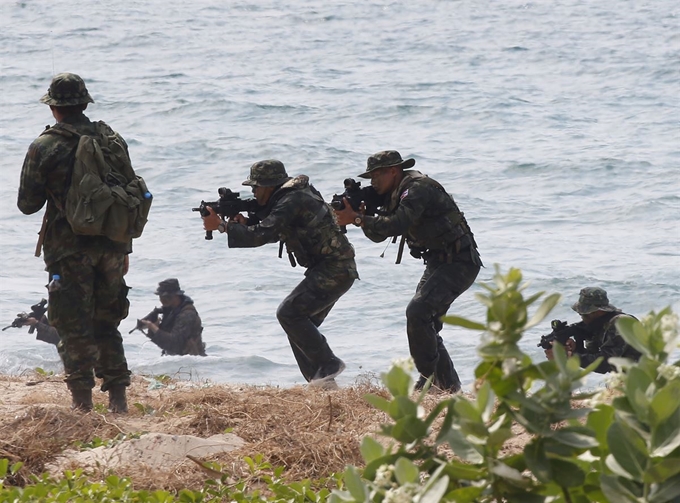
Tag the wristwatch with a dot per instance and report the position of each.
(222, 227)
(358, 220)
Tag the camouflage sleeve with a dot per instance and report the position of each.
(175, 341)
(613, 345)
(269, 230)
(411, 206)
(47, 333)
(32, 193)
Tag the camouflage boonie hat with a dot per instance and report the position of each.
(67, 89)
(168, 287)
(593, 299)
(386, 159)
(268, 173)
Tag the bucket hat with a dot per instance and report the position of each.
(169, 286)
(267, 173)
(67, 89)
(386, 159)
(593, 299)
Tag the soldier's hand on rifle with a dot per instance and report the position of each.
(347, 215)
(569, 347)
(239, 218)
(150, 326)
(212, 221)
(31, 322)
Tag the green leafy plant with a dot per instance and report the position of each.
(98, 442)
(100, 408)
(572, 451)
(639, 432)
(145, 409)
(263, 484)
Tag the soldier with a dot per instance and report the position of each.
(418, 208)
(90, 299)
(294, 213)
(179, 332)
(602, 338)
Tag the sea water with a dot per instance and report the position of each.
(555, 125)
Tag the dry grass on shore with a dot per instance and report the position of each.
(312, 433)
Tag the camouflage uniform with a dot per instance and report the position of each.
(435, 230)
(603, 338)
(92, 300)
(180, 328)
(297, 215)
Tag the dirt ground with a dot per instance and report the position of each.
(311, 432)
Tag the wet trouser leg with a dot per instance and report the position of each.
(86, 311)
(306, 308)
(439, 286)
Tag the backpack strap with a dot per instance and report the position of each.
(62, 129)
(67, 131)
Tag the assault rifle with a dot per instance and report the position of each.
(37, 311)
(562, 331)
(152, 317)
(355, 195)
(229, 205)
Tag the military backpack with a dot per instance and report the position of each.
(105, 196)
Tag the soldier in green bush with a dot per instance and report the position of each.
(420, 209)
(179, 331)
(294, 213)
(91, 298)
(601, 337)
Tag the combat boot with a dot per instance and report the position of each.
(81, 400)
(117, 400)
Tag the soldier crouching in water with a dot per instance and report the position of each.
(179, 332)
(418, 208)
(598, 336)
(294, 213)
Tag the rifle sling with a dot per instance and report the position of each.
(400, 252)
(41, 235)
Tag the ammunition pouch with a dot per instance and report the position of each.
(460, 250)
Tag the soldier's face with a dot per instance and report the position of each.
(383, 180)
(590, 317)
(262, 194)
(169, 300)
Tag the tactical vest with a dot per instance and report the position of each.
(442, 229)
(594, 344)
(297, 254)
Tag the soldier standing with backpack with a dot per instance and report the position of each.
(87, 292)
